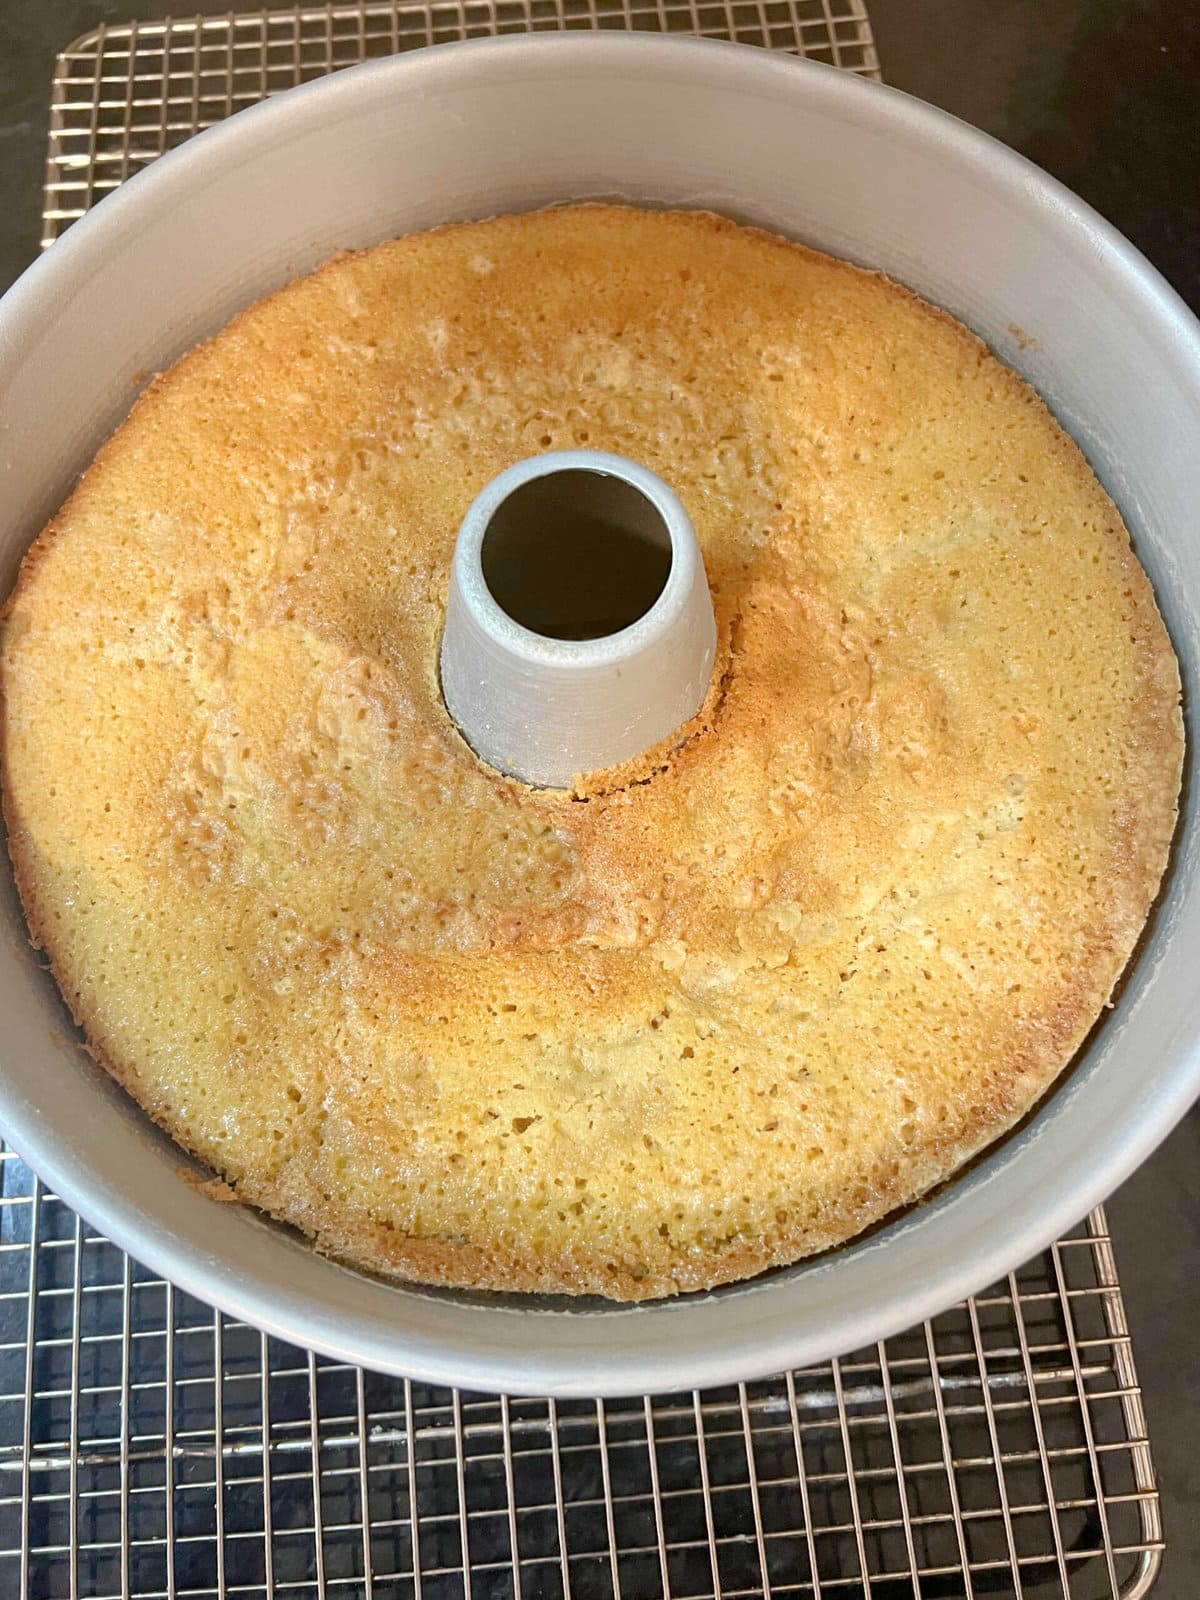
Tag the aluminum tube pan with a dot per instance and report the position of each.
(469, 130)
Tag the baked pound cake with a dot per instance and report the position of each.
(713, 1011)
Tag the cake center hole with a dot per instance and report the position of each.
(576, 554)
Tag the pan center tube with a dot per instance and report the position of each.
(579, 626)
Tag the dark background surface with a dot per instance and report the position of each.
(1106, 95)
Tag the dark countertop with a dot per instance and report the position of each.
(1106, 95)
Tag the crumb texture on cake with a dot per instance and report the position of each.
(716, 1010)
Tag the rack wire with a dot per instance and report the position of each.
(126, 93)
(151, 1447)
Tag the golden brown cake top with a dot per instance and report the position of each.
(714, 1011)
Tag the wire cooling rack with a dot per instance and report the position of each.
(126, 93)
(150, 1447)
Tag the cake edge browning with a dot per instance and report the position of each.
(476, 1266)
(1147, 835)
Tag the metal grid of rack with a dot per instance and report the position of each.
(126, 93)
(151, 1447)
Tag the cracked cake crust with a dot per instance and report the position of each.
(714, 1011)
